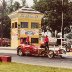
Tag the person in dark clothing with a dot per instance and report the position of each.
(46, 41)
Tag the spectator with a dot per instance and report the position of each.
(27, 40)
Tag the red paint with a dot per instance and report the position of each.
(27, 39)
(5, 58)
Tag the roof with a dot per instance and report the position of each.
(26, 10)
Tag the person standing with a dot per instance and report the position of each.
(27, 40)
(46, 41)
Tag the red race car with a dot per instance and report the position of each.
(25, 49)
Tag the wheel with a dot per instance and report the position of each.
(62, 57)
(19, 52)
(68, 49)
(50, 54)
(43, 53)
(68, 46)
(63, 52)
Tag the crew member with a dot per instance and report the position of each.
(46, 41)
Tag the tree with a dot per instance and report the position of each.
(10, 6)
(5, 21)
(23, 2)
(70, 12)
(41, 6)
(35, 1)
(54, 10)
(6, 27)
(16, 6)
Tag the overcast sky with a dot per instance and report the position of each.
(29, 2)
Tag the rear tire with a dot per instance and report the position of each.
(50, 54)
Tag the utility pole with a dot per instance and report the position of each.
(62, 26)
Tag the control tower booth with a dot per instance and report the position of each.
(25, 22)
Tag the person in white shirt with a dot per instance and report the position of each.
(43, 33)
(48, 33)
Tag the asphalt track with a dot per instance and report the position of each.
(66, 62)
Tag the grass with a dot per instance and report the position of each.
(16, 67)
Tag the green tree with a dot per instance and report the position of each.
(6, 27)
(10, 6)
(16, 6)
(23, 2)
(54, 10)
(41, 6)
(5, 21)
(35, 1)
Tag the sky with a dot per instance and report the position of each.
(29, 2)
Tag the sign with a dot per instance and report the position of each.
(36, 32)
(29, 33)
(30, 16)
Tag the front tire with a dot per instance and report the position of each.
(63, 52)
(20, 53)
(68, 49)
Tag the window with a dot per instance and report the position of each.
(34, 25)
(15, 24)
(34, 40)
(24, 24)
(12, 25)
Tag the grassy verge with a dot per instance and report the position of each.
(16, 67)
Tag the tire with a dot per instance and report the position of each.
(62, 57)
(50, 54)
(68, 46)
(63, 52)
(67, 49)
(19, 52)
(43, 53)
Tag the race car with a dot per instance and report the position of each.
(25, 49)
